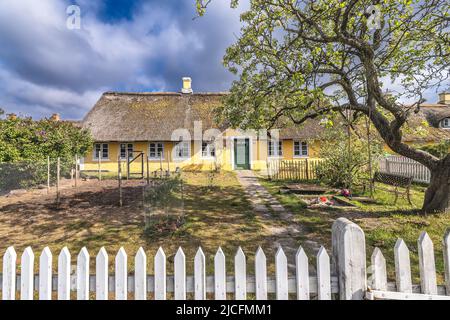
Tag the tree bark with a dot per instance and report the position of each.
(437, 196)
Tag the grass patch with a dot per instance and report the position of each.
(383, 223)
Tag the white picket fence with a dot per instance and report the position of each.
(346, 278)
(407, 167)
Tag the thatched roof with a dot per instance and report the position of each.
(426, 123)
(129, 117)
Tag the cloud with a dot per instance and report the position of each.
(46, 68)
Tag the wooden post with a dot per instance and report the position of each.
(307, 168)
(76, 170)
(119, 173)
(48, 174)
(160, 161)
(168, 163)
(99, 167)
(142, 164)
(349, 257)
(148, 171)
(128, 163)
(58, 173)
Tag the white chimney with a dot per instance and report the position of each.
(187, 85)
(444, 98)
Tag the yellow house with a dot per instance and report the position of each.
(166, 130)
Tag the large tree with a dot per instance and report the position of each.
(300, 59)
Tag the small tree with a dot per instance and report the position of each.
(346, 165)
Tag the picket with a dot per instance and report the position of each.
(121, 275)
(260, 275)
(240, 275)
(446, 249)
(402, 267)
(199, 275)
(160, 275)
(379, 275)
(101, 278)
(347, 255)
(83, 275)
(323, 275)
(281, 275)
(9, 274)
(64, 274)
(27, 274)
(140, 275)
(427, 265)
(180, 275)
(220, 276)
(302, 274)
(45, 274)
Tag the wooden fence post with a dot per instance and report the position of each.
(307, 169)
(349, 255)
(119, 178)
(58, 176)
(76, 171)
(48, 174)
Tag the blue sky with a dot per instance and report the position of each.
(122, 45)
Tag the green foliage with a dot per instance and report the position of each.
(439, 150)
(344, 166)
(25, 145)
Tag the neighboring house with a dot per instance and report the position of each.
(178, 129)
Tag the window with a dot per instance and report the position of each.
(208, 149)
(300, 149)
(124, 147)
(156, 150)
(182, 150)
(446, 123)
(275, 148)
(101, 149)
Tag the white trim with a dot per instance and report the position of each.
(120, 151)
(175, 157)
(209, 157)
(276, 156)
(300, 156)
(163, 151)
(94, 158)
(445, 126)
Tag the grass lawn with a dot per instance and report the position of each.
(90, 216)
(382, 222)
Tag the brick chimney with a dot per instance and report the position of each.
(444, 98)
(55, 117)
(187, 85)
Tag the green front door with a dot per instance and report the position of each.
(241, 154)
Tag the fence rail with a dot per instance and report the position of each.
(301, 169)
(342, 275)
(404, 166)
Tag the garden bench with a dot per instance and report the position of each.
(397, 181)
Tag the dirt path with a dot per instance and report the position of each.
(277, 219)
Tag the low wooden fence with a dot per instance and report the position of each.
(407, 167)
(301, 169)
(343, 275)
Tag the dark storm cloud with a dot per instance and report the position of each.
(123, 45)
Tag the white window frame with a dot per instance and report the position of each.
(156, 157)
(301, 155)
(127, 145)
(446, 125)
(278, 152)
(175, 146)
(101, 151)
(210, 146)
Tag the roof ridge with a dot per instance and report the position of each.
(163, 93)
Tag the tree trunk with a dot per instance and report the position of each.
(437, 196)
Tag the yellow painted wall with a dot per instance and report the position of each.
(259, 156)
